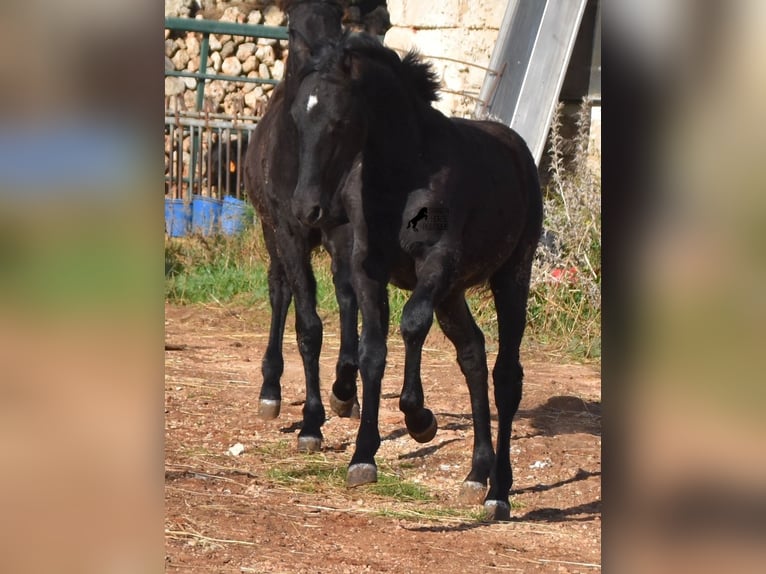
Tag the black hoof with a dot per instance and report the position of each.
(425, 434)
(348, 409)
(362, 473)
(269, 408)
(309, 444)
(497, 511)
(472, 493)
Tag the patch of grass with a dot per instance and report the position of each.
(392, 486)
(278, 450)
(431, 513)
(202, 269)
(311, 474)
(314, 473)
(438, 513)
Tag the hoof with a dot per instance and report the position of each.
(309, 444)
(426, 435)
(497, 510)
(269, 408)
(472, 493)
(362, 473)
(348, 409)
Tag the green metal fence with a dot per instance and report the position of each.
(182, 181)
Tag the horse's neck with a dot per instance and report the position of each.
(395, 140)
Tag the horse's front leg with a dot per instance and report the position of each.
(343, 399)
(295, 253)
(370, 283)
(434, 273)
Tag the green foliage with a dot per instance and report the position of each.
(565, 295)
(309, 474)
(391, 485)
(200, 269)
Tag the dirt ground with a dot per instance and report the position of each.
(271, 509)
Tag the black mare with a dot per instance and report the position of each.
(359, 100)
(271, 169)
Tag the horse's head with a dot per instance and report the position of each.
(328, 115)
(311, 23)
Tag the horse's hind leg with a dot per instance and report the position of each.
(510, 287)
(343, 398)
(459, 326)
(273, 363)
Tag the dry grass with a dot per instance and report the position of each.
(565, 295)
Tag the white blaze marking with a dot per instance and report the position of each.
(311, 103)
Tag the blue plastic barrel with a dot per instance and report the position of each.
(178, 217)
(205, 214)
(233, 213)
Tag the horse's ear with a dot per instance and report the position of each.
(352, 64)
(299, 46)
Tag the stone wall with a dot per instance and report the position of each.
(463, 30)
(229, 55)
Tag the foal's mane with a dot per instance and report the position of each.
(417, 75)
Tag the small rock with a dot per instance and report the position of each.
(180, 59)
(251, 98)
(232, 14)
(174, 86)
(246, 50)
(192, 44)
(254, 17)
(193, 64)
(273, 16)
(215, 60)
(249, 64)
(266, 55)
(236, 449)
(228, 49)
(266, 41)
(231, 66)
(170, 48)
(278, 70)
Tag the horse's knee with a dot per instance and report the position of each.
(372, 358)
(508, 371)
(473, 359)
(417, 317)
(309, 334)
(344, 294)
(508, 377)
